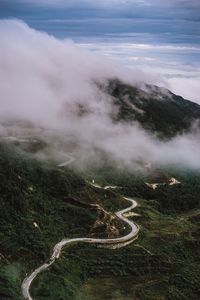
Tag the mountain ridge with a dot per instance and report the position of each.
(156, 109)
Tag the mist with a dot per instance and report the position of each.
(50, 88)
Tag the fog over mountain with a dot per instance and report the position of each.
(59, 90)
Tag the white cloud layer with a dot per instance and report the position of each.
(50, 83)
(162, 62)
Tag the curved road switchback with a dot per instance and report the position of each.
(114, 243)
(66, 163)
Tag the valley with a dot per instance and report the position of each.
(158, 265)
(99, 150)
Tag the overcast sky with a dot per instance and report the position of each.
(188, 9)
(97, 18)
(170, 31)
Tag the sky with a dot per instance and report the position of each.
(44, 57)
(159, 37)
(48, 90)
(173, 16)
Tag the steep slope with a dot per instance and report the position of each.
(38, 208)
(156, 109)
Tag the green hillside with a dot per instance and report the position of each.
(164, 263)
(156, 109)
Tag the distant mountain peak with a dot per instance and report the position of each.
(155, 108)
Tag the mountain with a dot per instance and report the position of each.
(156, 109)
(41, 203)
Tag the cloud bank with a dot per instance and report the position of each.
(175, 66)
(50, 85)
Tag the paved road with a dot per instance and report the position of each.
(113, 243)
(70, 160)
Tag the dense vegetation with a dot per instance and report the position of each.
(34, 215)
(164, 263)
(157, 110)
(166, 198)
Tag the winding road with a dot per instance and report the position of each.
(113, 243)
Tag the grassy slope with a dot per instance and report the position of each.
(31, 192)
(164, 263)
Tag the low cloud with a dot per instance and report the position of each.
(173, 66)
(189, 88)
(48, 89)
